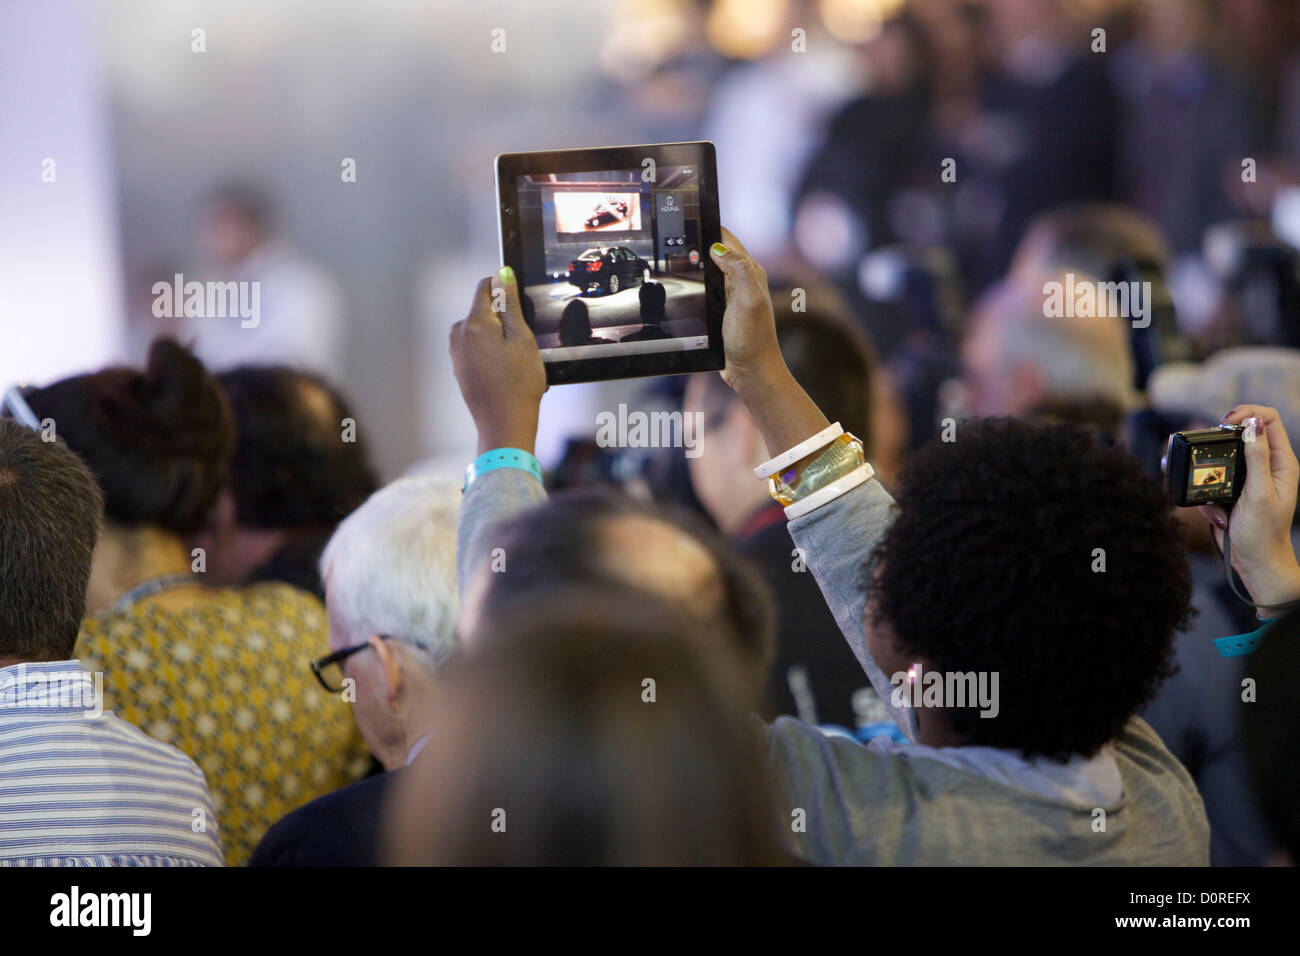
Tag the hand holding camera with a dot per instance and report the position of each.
(1259, 523)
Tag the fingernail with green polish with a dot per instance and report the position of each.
(718, 249)
(506, 273)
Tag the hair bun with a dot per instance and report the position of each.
(173, 408)
(159, 441)
(175, 386)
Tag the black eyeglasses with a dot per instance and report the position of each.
(329, 669)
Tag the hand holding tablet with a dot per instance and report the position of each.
(610, 247)
(497, 366)
(502, 375)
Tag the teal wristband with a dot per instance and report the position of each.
(502, 458)
(1239, 644)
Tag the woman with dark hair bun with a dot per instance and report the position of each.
(158, 440)
(220, 673)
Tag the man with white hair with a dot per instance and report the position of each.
(390, 593)
(1022, 358)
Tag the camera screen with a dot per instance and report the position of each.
(1211, 473)
(613, 262)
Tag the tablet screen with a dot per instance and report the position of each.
(613, 261)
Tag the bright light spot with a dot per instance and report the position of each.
(856, 21)
(827, 233)
(636, 45)
(744, 29)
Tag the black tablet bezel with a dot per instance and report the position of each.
(510, 166)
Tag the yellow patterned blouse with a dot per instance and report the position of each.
(229, 682)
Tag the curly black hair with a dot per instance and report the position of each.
(990, 568)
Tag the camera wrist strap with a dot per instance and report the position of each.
(1226, 553)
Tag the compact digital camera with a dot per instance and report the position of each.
(1206, 466)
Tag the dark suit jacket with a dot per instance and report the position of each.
(338, 829)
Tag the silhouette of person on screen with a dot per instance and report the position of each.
(575, 326)
(653, 302)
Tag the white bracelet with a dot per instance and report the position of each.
(784, 460)
(821, 496)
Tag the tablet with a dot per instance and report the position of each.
(610, 247)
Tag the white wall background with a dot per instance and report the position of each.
(60, 279)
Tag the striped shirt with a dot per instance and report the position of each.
(80, 787)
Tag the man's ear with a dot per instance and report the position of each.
(389, 667)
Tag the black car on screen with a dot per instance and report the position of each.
(608, 269)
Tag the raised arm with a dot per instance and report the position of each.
(755, 369)
(501, 378)
(838, 538)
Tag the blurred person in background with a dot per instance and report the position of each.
(297, 471)
(815, 675)
(1019, 362)
(600, 538)
(919, 289)
(593, 732)
(1255, 264)
(964, 142)
(1116, 244)
(1173, 94)
(390, 571)
(768, 111)
(1258, 40)
(1199, 712)
(302, 320)
(81, 786)
(871, 150)
(958, 33)
(1046, 136)
(220, 673)
(867, 185)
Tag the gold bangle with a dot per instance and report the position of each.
(842, 456)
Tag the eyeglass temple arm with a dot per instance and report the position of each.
(22, 412)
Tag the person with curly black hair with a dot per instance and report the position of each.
(1028, 553)
(1035, 572)
(1031, 551)
(1014, 608)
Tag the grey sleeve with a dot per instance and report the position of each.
(837, 541)
(490, 500)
